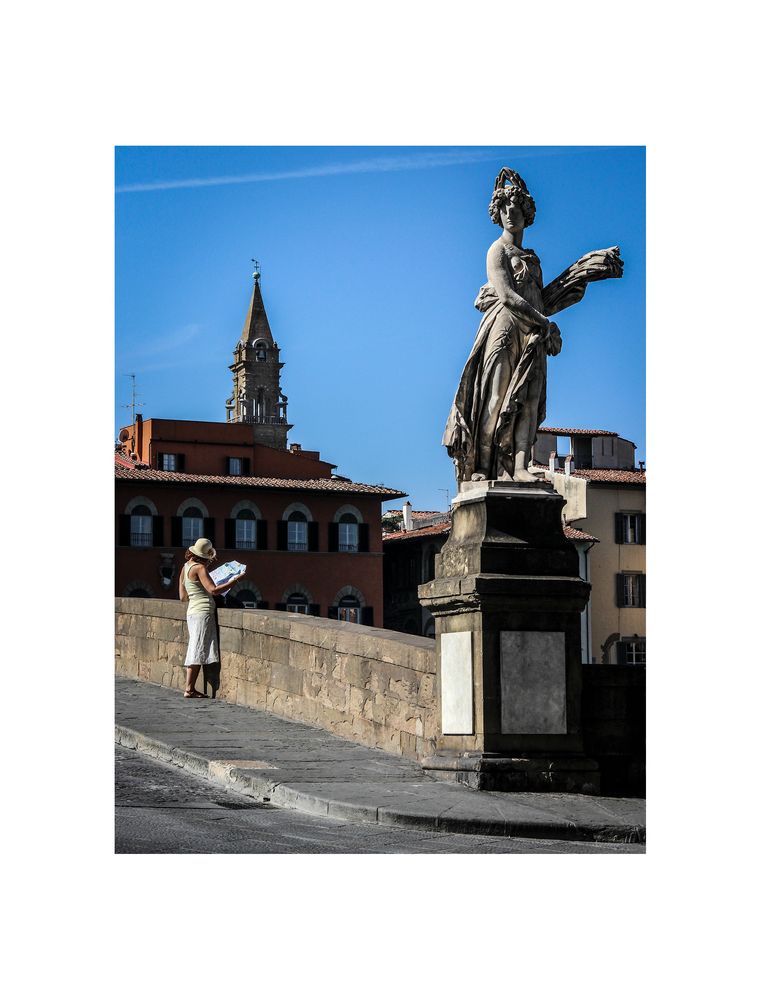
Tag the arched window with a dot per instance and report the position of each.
(298, 603)
(192, 526)
(348, 533)
(349, 610)
(141, 527)
(247, 598)
(297, 532)
(245, 530)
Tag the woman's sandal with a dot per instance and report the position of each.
(194, 694)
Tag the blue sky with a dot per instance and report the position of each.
(371, 258)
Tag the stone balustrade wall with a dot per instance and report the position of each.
(369, 685)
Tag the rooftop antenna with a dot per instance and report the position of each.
(135, 400)
(447, 495)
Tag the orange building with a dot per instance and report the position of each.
(311, 540)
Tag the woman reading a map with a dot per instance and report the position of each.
(199, 590)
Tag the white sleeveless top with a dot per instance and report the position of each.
(200, 602)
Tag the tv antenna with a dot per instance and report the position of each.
(447, 495)
(135, 399)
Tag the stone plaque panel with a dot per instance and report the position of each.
(457, 683)
(532, 666)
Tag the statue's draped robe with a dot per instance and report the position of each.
(507, 336)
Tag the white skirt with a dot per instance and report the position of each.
(202, 640)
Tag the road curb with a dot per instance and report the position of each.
(279, 794)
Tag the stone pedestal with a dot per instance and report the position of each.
(507, 599)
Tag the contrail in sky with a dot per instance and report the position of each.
(380, 164)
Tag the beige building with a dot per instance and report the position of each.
(606, 501)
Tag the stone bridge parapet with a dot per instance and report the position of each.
(369, 685)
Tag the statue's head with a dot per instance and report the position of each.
(510, 189)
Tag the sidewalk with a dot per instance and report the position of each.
(298, 766)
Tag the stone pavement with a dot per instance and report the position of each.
(302, 767)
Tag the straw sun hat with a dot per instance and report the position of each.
(203, 549)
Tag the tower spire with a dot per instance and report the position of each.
(257, 325)
(257, 398)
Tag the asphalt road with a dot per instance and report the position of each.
(161, 809)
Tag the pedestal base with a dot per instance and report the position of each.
(507, 599)
(490, 772)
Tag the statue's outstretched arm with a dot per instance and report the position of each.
(569, 287)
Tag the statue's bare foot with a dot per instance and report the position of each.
(523, 476)
(477, 477)
(505, 477)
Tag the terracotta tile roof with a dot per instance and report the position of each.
(431, 529)
(630, 477)
(418, 515)
(572, 534)
(123, 461)
(566, 431)
(263, 482)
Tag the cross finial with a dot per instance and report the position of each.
(257, 269)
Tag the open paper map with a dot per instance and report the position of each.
(227, 571)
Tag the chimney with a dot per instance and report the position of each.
(568, 469)
(139, 435)
(407, 516)
(553, 461)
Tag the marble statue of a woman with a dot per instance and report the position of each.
(500, 402)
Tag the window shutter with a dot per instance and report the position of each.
(177, 532)
(367, 616)
(124, 529)
(313, 536)
(158, 529)
(641, 529)
(245, 466)
(208, 528)
(642, 591)
(620, 591)
(261, 534)
(621, 653)
(281, 607)
(619, 529)
(229, 532)
(160, 460)
(333, 612)
(314, 609)
(180, 463)
(332, 536)
(262, 605)
(282, 537)
(364, 537)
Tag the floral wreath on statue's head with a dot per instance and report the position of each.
(510, 187)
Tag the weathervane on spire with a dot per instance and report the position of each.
(257, 269)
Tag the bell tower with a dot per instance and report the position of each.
(257, 398)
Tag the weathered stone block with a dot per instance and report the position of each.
(253, 644)
(275, 649)
(360, 703)
(313, 684)
(286, 678)
(426, 690)
(404, 684)
(231, 639)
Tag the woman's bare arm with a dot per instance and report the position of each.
(498, 279)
